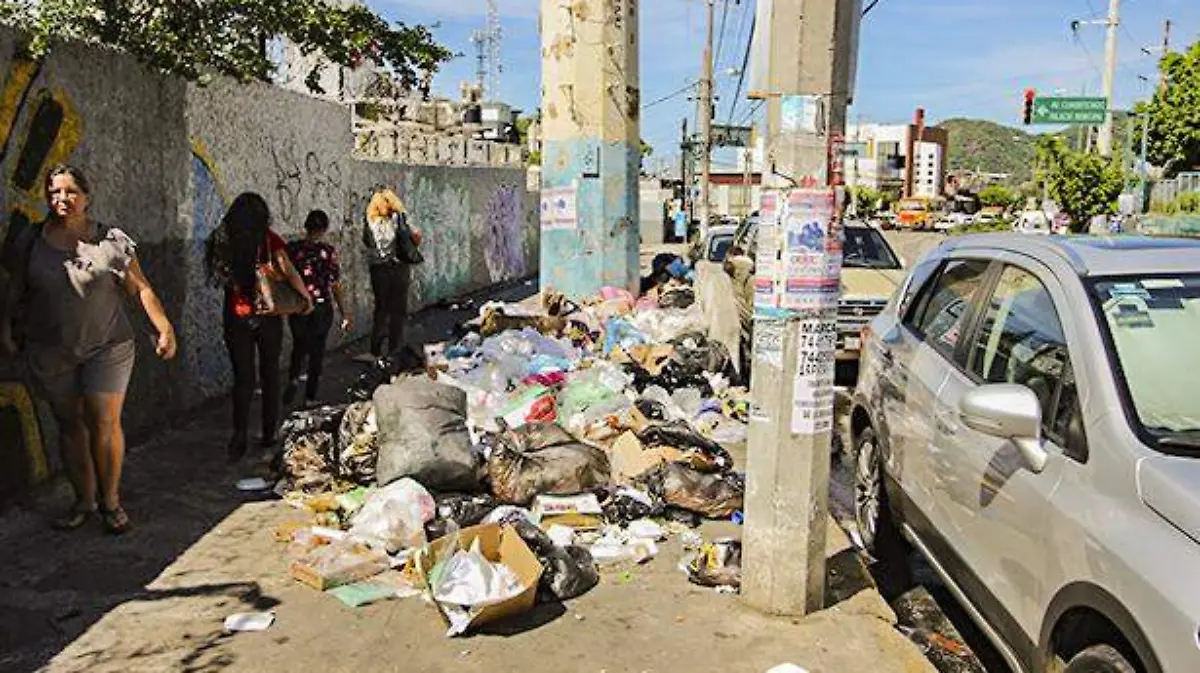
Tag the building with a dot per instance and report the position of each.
(881, 161)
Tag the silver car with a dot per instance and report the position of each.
(1028, 418)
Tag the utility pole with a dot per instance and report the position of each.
(592, 154)
(806, 65)
(685, 158)
(1166, 49)
(1110, 72)
(706, 118)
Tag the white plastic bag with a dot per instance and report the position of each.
(394, 517)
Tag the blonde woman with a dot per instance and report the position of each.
(392, 248)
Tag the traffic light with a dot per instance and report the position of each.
(1027, 114)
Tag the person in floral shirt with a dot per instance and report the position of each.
(317, 263)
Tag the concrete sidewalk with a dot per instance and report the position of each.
(155, 599)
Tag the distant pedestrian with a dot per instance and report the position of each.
(317, 263)
(68, 277)
(234, 253)
(392, 248)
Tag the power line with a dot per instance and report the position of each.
(721, 36)
(737, 94)
(674, 94)
(868, 8)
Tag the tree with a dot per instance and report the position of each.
(196, 39)
(868, 201)
(1084, 185)
(1174, 139)
(997, 196)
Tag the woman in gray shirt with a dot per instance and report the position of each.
(69, 279)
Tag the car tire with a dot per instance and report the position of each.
(1100, 659)
(877, 530)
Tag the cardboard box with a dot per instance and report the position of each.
(336, 564)
(630, 459)
(582, 511)
(499, 544)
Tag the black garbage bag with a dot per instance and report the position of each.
(716, 496)
(381, 372)
(321, 419)
(696, 354)
(682, 436)
(358, 444)
(568, 572)
(671, 378)
(652, 409)
(423, 435)
(458, 510)
(629, 504)
(543, 459)
(677, 297)
(683, 516)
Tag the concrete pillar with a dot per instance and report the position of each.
(591, 153)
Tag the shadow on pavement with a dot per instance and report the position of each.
(176, 488)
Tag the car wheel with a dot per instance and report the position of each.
(1099, 659)
(877, 531)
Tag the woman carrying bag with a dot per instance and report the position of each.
(250, 262)
(392, 248)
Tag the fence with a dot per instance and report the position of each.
(1167, 191)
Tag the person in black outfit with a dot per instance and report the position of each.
(317, 263)
(232, 255)
(391, 251)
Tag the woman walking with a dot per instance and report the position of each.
(392, 248)
(233, 255)
(68, 278)
(317, 263)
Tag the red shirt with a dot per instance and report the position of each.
(243, 306)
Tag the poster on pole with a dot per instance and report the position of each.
(766, 275)
(558, 209)
(812, 251)
(812, 389)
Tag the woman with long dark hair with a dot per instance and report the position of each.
(242, 242)
(68, 280)
(317, 262)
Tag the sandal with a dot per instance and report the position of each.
(116, 521)
(74, 518)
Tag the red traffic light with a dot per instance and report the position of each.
(1027, 111)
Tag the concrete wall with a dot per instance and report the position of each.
(166, 157)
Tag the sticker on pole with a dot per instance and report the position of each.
(812, 391)
(766, 279)
(812, 251)
(559, 209)
(768, 342)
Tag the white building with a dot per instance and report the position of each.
(883, 163)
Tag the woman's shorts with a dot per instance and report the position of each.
(63, 378)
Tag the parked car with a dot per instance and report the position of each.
(1032, 222)
(953, 221)
(871, 272)
(715, 245)
(1026, 417)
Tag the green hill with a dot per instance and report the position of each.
(989, 147)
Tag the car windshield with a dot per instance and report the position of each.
(866, 248)
(1153, 322)
(719, 247)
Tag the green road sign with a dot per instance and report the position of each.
(1070, 110)
(854, 150)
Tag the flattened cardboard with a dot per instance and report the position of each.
(631, 460)
(499, 544)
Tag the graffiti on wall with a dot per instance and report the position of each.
(504, 235)
(443, 213)
(39, 128)
(205, 355)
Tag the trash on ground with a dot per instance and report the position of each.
(717, 564)
(252, 484)
(339, 563)
(423, 435)
(581, 511)
(478, 575)
(543, 459)
(394, 517)
(249, 621)
(787, 668)
(373, 590)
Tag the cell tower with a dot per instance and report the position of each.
(487, 53)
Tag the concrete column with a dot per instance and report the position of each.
(591, 152)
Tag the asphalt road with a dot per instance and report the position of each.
(925, 609)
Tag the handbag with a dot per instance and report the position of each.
(274, 295)
(406, 248)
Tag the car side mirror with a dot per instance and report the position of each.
(1008, 411)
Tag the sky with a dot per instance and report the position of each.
(957, 58)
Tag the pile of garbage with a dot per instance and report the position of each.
(503, 467)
